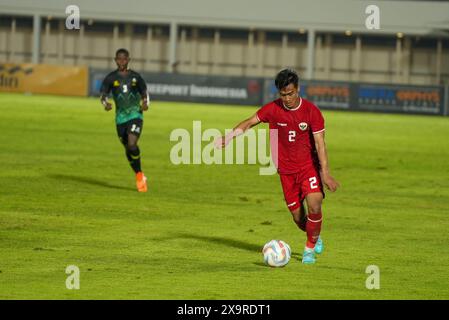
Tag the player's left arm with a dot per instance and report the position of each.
(142, 86)
(104, 91)
(326, 177)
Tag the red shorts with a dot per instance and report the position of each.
(297, 185)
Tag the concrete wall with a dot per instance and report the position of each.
(258, 39)
(411, 17)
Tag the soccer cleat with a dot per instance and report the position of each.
(308, 257)
(319, 246)
(141, 182)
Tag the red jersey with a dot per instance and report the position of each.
(295, 144)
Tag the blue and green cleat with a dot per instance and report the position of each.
(308, 257)
(319, 246)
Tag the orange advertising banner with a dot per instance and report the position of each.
(45, 79)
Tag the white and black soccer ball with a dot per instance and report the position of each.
(276, 253)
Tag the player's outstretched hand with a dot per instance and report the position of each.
(223, 141)
(220, 142)
(330, 182)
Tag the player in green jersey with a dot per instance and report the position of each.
(130, 95)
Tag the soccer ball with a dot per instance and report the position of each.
(276, 253)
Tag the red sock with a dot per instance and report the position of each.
(313, 228)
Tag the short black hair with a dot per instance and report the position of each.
(122, 50)
(286, 77)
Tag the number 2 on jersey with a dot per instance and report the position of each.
(291, 136)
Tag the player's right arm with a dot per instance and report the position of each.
(241, 128)
(104, 91)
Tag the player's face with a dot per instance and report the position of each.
(290, 96)
(122, 61)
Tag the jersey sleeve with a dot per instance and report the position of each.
(106, 85)
(316, 120)
(264, 113)
(142, 86)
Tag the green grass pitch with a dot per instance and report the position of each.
(67, 197)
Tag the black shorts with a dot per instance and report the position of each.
(133, 126)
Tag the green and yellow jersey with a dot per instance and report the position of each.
(127, 91)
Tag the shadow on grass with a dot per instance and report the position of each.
(90, 181)
(225, 241)
(231, 243)
(260, 264)
(296, 255)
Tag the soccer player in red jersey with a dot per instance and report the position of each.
(302, 160)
